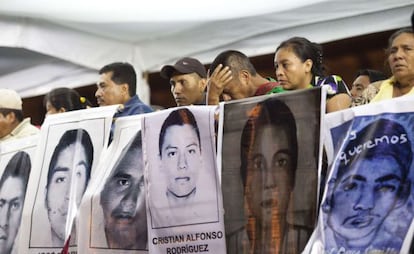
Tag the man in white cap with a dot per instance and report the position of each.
(12, 123)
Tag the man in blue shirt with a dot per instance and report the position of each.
(118, 85)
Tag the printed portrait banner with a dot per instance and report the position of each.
(16, 160)
(112, 217)
(367, 206)
(69, 148)
(269, 150)
(184, 204)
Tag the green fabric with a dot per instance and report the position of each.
(276, 89)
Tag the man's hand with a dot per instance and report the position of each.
(216, 83)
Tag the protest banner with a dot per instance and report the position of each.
(16, 158)
(112, 217)
(68, 152)
(270, 156)
(185, 213)
(367, 206)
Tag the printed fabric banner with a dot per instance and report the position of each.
(367, 206)
(16, 160)
(185, 213)
(112, 216)
(269, 152)
(68, 152)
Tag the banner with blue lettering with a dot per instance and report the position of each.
(112, 216)
(367, 206)
(185, 211)
(270, 153)
(69, 148)
(16, 160)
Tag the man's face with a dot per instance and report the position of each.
(11, 206)
(70, 170)
(401, 58)
(187, 89)
(110, 93)
(268, 180)
(235, 89)
(181, 159)
(363, 197)
(123, 204)
(359, 85)
(6, 123)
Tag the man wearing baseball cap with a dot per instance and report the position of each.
(188, 80)
(12, 123)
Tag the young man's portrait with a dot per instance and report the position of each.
(370, 181)
(70, 166)
(183, 169)
(13, 183)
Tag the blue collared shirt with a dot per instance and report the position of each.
(132, 107)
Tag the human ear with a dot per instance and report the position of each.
(10, 117)
(46, 203)
(328, 202)
(244, 77)
(160, 165)
(308, 65)
(203, 84)
(403, 193)
(125, 88)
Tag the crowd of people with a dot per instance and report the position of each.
(298, 64)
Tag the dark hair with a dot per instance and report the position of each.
(378, 139)
(17, 113)
(373, 75)
(412, 21)
(375, 141)
(122, 73)
(18, 166)
(178, 117)
(406, 30)
(71, 137)
(271, 111)
(235, 60)
(134, 144)
(66, 98)
(305, 49)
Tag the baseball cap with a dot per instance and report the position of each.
(10, 99)
(184, 66)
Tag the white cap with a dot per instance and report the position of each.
(10, 99)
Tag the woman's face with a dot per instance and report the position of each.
(401, 58)
(291, 72)
(50, 110)
(268, 179)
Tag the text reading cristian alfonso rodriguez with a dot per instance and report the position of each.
(185, 243)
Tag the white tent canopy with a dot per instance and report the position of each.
(75, 38)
